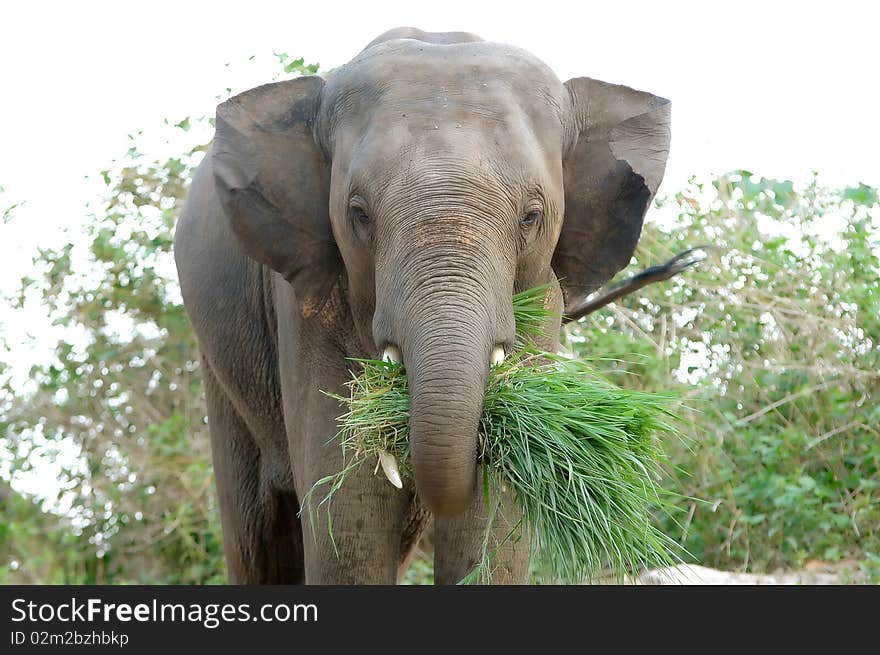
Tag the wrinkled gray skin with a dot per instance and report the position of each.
(400, 201)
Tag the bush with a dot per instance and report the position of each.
(774, 341)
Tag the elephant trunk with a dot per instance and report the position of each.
(453, 313)
(447, 364)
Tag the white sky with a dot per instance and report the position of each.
(780, 88)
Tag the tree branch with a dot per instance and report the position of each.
(650, 275)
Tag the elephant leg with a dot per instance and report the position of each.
(459, 541)
(357, 537)
(262, 536)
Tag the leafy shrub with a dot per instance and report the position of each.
(774, 342)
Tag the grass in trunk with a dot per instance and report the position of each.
(583, 455)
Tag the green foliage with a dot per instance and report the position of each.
(297, 66)
(774, 341)
(8, 211)
(26, 536)
(583, 457)
(421, 571)
(122, 391)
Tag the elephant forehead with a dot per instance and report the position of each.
(425, 141)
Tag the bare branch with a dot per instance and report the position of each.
(650, 275)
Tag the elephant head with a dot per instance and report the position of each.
(433, 181)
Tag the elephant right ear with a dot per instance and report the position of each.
(273, 182)
(611, 172)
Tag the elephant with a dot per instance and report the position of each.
(392, 208)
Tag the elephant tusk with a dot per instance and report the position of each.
(389, 467)
(497, 355)
(391, 354)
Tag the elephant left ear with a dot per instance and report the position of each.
(273, 183)
(612, 168)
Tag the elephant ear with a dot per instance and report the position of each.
(273, 182)
(612, 169)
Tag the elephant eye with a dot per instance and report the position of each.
(531, 218)
(357, 212)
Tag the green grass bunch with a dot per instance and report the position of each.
(583, 455)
